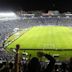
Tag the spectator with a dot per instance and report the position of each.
(70, 65)
(34, 64)
(63, 67)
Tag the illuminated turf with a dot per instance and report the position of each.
(52, 37)
(46, 37)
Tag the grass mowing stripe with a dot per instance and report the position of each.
(47, 37)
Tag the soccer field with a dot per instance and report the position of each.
(46, 37)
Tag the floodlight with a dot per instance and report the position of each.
(7, 14)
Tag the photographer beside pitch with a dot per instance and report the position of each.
(35, 66)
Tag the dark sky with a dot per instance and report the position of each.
(61, 5)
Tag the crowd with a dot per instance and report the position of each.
(7, 27)
(35, 64)
(7, 63)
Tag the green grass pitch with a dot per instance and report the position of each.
(46, 37)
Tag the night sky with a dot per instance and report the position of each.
(44, 5)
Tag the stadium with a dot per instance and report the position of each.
(50, 39)
(35, 36)
(51, 34)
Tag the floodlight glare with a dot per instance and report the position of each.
(7, 14)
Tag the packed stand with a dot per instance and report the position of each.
(36, 64)
(7, 27)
